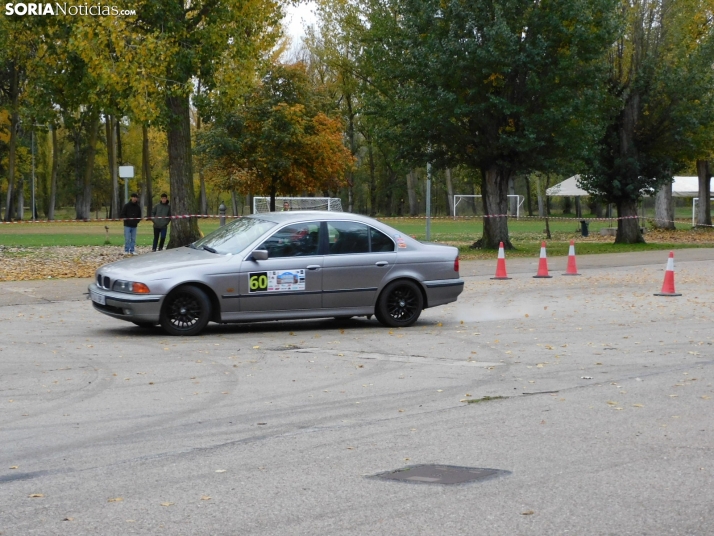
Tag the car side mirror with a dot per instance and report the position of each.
(260, 255)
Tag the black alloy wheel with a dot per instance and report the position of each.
(186, 311)
(400, 304)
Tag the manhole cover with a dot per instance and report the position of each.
(441, 474)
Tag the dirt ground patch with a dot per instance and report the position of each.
(24, 264)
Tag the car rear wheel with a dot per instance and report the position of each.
(399, 304)
(186, 311)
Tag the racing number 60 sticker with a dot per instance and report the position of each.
(258, 281)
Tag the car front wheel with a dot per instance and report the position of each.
(399, 304)
(186, 311)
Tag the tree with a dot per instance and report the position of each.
(501, 87)
(160, 56)
(18, 47)
(278, 142)
(661, 85)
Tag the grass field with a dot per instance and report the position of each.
(526, 235)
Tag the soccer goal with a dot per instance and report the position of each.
(695, 202)
(262, 204)
(470, 205)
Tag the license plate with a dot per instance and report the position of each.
(98, 298)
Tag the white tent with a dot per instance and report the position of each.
(681, 187)
(567, 188)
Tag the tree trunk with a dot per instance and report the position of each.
(202, 197)
(12, 156)
(183, 199)
(450, 191)
(494, 191)
(12, 166)
(664, 208)
(146, 169)
(53, 175)
(84, 203)
(539, 195)
(234, 203)
(20, 201)
(78, 184)
(628, 224)
(273, 193)
(578, 207)
(411, 192)
(111, 160)
(704, 209)
(528, 196)
(512, 201)
(372, 183)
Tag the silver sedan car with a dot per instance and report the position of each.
(278, 266)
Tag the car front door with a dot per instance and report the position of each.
(291, 278)
(357, 260)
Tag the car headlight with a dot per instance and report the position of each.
(131, 287)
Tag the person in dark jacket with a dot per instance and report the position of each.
(161, 214)
(131, 214)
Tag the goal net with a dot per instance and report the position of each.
(471, 205)
(695, 202)
(262, 204)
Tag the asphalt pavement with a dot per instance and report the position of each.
(593, 397)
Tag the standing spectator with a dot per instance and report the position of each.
(161, 214)
(131, 213)
(286, 206)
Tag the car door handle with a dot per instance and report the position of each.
(313, 267)
(381, 263)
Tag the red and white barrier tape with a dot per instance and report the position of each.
(209, 216)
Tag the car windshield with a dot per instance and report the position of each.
(234, 237)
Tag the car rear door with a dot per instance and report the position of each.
(291, 278)
(357, 260)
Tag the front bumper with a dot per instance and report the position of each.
(129, 307)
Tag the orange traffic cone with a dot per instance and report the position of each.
(501, 264)
(572, 269)
(542, 264)
(668, 285)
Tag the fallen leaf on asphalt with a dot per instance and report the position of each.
(167, 504)
(638, 405)
(528, 513)
(13, 467)
(256, 347)
(611, 403)
(220, 470)
(205, 498)
(68, 519)
(35, 495)
(116, 499)
(705, 397)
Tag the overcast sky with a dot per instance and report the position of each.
(297, 17)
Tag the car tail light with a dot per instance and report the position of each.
(456, 265)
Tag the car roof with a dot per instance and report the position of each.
(302, 215)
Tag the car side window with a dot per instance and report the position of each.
(297, 240)
(380, 241)
(347, 237)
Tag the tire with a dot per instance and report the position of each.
(400, 304)
(186, 311)
(145, 325)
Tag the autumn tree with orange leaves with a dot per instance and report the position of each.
(280, 141)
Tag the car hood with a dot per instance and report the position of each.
(162, 262)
